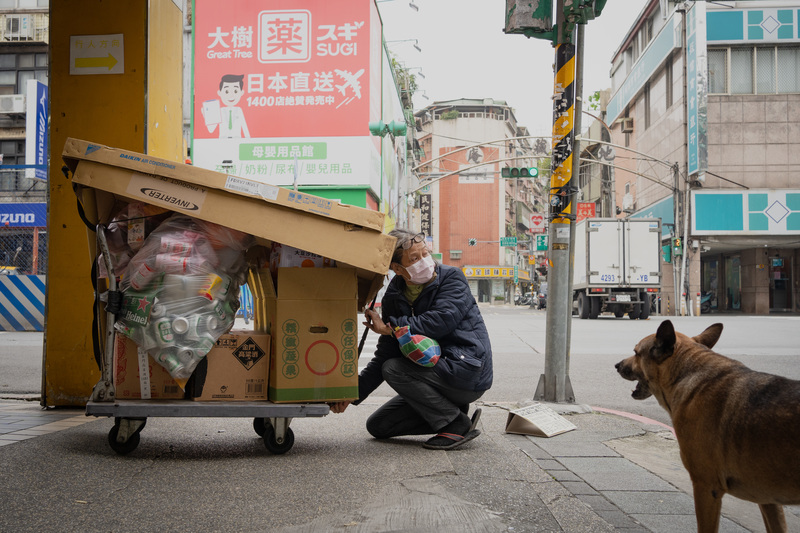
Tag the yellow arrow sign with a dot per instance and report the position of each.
(95, 62)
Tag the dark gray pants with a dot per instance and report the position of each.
(424, 404)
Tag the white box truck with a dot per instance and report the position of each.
(617, 266)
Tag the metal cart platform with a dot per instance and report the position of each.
(270, 420)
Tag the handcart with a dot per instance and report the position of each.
(351, 236)
(270, 420)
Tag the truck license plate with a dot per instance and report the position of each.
(623, 297)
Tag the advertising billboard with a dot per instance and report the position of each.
(282, 90)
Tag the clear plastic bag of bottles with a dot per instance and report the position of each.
(181, 291)
(126, 233)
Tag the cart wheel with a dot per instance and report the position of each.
(273, 445)
(122, 448)
(118, 421)
(260, 425)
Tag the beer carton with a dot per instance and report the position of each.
(127, 377)
(236, 369)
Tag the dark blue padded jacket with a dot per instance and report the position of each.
(446, 311)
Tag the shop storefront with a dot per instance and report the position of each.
(496, 284)
(750, 249)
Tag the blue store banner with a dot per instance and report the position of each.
(37, 132)
(23, 215)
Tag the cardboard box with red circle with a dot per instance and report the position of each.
(314, 331)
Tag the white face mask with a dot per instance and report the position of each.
(421, 272)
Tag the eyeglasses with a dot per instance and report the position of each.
(419, 237)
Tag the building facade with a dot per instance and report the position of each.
(704, 113)
(471, 215)
(24, 28)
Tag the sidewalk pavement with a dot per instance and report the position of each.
(613, 473)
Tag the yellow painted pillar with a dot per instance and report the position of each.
(115, 79)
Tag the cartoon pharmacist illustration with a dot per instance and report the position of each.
(229, 118)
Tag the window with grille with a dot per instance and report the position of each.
(17, 69)
(754, 70)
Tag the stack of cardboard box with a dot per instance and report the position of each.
(304, 343)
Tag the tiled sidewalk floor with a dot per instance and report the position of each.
(25, 420)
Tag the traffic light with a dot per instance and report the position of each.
(532, 19)
(380, 129)
(519, 172)
(582, 11)
(677, 246)
(473, 242)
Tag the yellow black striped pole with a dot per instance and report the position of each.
(554, 385)
(563, 135)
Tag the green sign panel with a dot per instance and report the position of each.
(283, 151)
(508, 241)
(516, 274)
(541, 243)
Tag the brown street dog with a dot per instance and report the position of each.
(738, 430)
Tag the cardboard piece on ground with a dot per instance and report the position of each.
(127, 377)
(314, 329)
(538, 420)
(350, 235)
(236, 369)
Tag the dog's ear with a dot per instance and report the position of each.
(664, 342)
(710, 336)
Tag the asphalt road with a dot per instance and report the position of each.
(765, 343)
(518, 335)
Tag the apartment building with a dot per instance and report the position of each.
(704, 116)
(470, 213)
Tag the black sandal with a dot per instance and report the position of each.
(448, 441)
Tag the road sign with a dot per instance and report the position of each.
(508, 241)
(516, 274)
(586, 210)
(541, 243)
(537, 223)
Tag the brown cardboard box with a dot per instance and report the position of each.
(126, 374)
(314, 330)
(347, 234)
(237, 369)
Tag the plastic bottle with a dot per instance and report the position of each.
(174, 246)
(142, 276)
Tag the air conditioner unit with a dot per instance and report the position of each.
(18, 28)
(12, 103)
(626, 124)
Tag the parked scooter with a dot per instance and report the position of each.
(522, 300)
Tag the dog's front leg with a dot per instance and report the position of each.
(773, 517)
(707, 507)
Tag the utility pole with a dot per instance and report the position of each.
(554, 385)
(531, 19)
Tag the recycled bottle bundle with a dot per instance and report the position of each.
(181, 291)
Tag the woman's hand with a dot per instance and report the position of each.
(373, 321)
(339, 407)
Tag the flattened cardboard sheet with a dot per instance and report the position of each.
(538, 420)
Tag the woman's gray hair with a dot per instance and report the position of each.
(404, 237)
